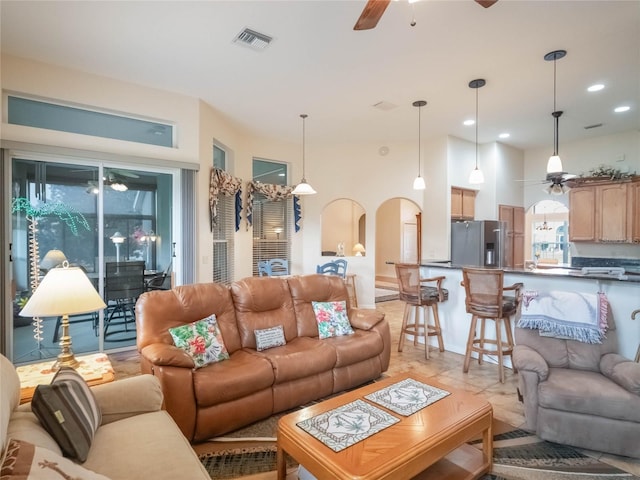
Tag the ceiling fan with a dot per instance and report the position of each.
(558, 183)
(374, 9)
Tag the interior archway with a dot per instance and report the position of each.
(396, 236)
(343, 228)
(546, 233)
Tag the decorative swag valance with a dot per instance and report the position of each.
(273, 193)
(220, 182)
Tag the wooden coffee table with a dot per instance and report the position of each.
(404, 450)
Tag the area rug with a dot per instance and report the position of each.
(518, 455)
(384, 295)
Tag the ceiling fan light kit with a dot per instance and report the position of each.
(476, 177)
(418, 183)
(303, 188)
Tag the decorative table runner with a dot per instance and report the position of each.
(407, 397)
(94, 368)
(346, 425)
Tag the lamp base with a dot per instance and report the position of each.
(65, 360)
(66, 357)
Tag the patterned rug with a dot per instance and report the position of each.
(517, 455)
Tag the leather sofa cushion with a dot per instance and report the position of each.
(263, 302)
(302, 357)
(351, 349)
(590, 393)
(160, 310)
(314, 288)
(243, 374)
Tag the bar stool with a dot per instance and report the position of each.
(417, 295)
(485, 300)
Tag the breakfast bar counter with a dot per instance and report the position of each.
(622, 291)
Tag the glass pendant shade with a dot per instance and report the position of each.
(476, 177)
(418, 183)
(303, 188)
(554, 165)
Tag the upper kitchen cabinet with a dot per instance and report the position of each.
(607, 212)
(463, 203)
(582, 214)
(634, 210)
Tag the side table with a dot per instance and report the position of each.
(95, 369)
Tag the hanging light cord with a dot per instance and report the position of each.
(419, 142)
(303, 116)
(476, 129)
(555, 129)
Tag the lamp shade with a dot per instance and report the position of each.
(52, 259)
(476, 176)
(358, 249)
(418, 183)
(554, 165)
(303, 188)
(118, 238)
(63, 291)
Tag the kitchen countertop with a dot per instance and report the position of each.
(548, 270)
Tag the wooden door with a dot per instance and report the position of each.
(518, 237)
(634, 212)
(505, 214)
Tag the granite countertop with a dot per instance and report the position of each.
(630, 275)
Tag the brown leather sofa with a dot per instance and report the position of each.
(253, 385)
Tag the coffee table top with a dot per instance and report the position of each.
(431, 432)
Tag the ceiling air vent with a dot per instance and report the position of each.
(252, 39)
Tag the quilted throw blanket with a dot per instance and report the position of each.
(569, 315)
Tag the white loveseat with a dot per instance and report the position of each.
(136, 440)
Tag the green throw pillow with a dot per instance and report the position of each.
(332, 319)
(202, 340)
(68, 411)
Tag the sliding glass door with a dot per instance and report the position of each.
(91, 215)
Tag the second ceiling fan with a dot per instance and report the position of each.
(374, 9)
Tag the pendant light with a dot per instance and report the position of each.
(418, 183)
(476, 176)
(303, 188)
(554, 165)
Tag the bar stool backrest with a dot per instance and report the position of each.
(484, 291)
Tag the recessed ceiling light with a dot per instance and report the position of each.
(595, 88)
(469, 122)
(623, 108)
(504, 135)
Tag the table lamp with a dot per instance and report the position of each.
(63, 291)
(358, 249)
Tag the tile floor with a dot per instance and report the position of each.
(481, 380)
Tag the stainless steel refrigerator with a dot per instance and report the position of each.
(478, 243)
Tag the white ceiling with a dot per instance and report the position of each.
(317, 64)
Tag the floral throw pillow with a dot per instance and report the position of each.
(332, 319)
(202, 340)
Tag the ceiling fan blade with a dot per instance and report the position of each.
(371, 14)
(486, 3)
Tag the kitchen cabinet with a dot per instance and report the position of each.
(603, 213)
(463, 203)
(582, 214)
(634, 211)
(514, 238)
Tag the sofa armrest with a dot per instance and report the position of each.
(526, 359)
(622, 371)
(128, 397)
(167, 355)
(365, 318)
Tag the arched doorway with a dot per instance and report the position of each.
(396, 236)
(547, 224)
